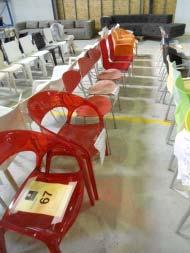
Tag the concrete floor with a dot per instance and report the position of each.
(137, 212)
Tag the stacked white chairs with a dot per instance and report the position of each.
(31, 50)
(58, 35)
(14, 55)
(50, 41)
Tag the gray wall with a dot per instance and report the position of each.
(29, 10)
(182, 14)
(32, 10)
(5, 14)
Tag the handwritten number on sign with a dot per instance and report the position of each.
(45, 200)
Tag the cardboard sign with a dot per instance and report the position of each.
(45, 198)
(100, 145)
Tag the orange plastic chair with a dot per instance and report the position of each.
(119, 38)
(122, 47)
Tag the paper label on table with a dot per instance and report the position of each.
(100, 145)
(45, 198)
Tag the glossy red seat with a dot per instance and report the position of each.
(113, 57)
(82, 135)
(48, 228)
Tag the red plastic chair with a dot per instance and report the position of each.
(108, 74)
(40, 226)
(103, 87)
(107, 64)
(82, 135)
(72, 79)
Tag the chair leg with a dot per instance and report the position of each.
(170, 132)
(119, 103)
(2, 241)
(184, 218)
(92, 177)
(53, 248)
(171, 163)
(168, 109)
(164, 97)
(173, 179)
(61, 54)
(11, 180)
(87, 179)
(114, 121)
(3, 203)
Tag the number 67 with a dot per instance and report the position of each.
(45, 200)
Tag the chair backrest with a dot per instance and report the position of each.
(85, 64)
(38, 40)
(15, 141)
(43, 102)
(71, 80)
(173, 55)
(104, 53)
(12, 51)
(180, 113)
(94, 54)
(179, 91)
(104, 32)
(171, 79)
(48, 35)
(2, 64)
(111, 46)
(27, 46)
(182, 100)
(57, 31)
(12, 120)
(115, 35)
(187, 120)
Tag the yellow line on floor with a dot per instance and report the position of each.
(131, 119)
(141, 120)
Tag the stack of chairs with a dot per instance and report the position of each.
(175, 82)
(82, 134)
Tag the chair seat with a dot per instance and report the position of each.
(40, 53)
(110, 74)
(102, 87)
(11, 68)
(103, 103)
(40, 224)
(84, 135)
(27, 60)
(69, 37)
(3, 75)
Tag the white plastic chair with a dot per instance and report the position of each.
(11, 71)
(50, 41)
(14, 55)
(58, 34)
(31, 50)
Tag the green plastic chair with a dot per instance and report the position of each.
(182, 100)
